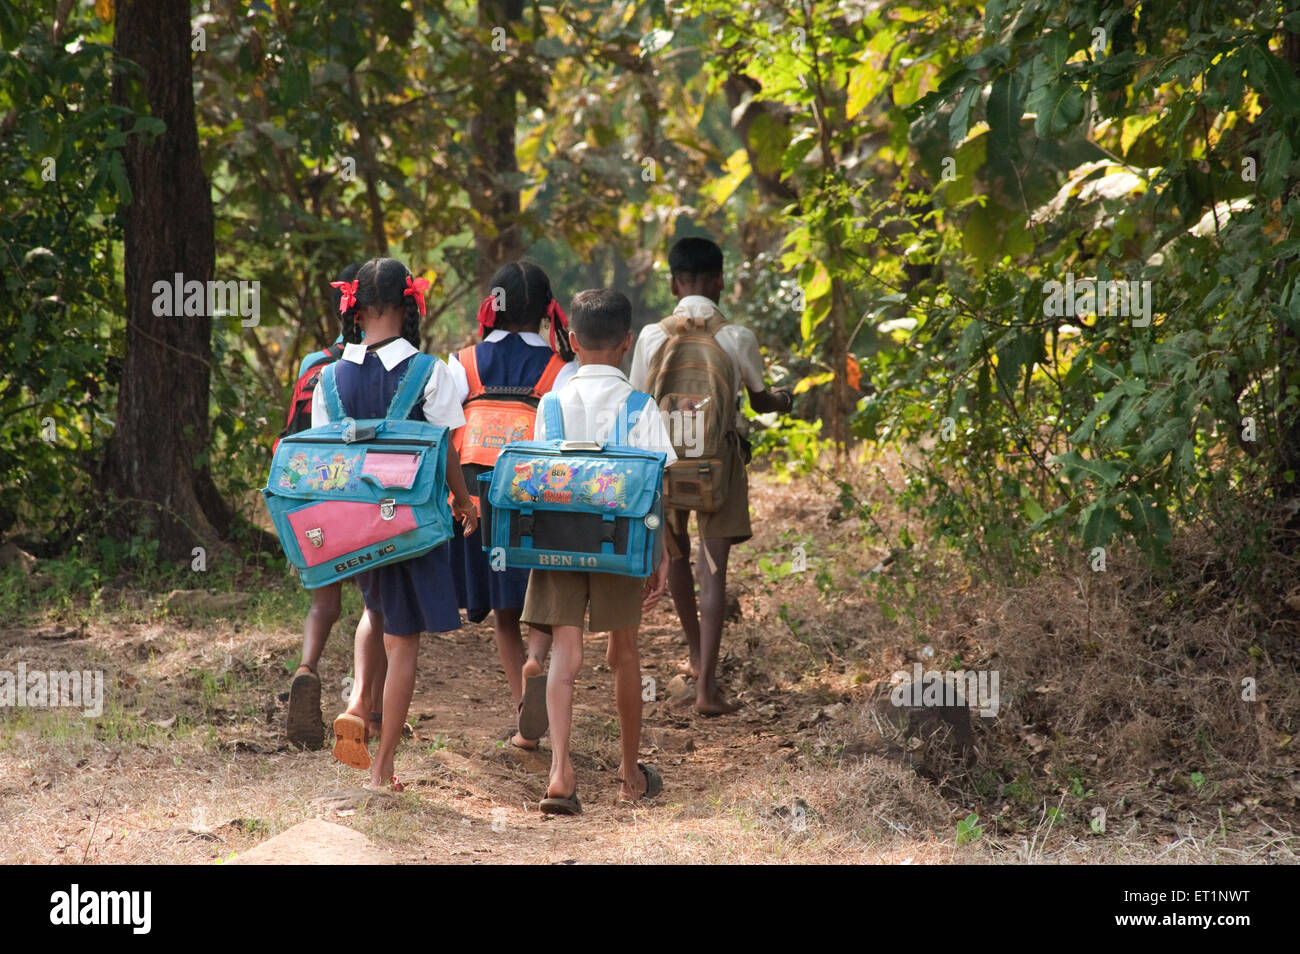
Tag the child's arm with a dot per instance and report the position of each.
(462, 507)
(657, 582)
(771, 399)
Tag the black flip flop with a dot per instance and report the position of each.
(533, 721)
(303, 723)
(654, 782)
(560, 805)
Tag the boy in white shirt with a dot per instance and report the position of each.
(557, 600)
(695, 264)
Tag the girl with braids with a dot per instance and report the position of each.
(384, 303)
(500, 382)
(303, 715)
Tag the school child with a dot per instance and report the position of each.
(697, 336)
(416, 595)
(558, 600)
(499, 382)
(303, 721)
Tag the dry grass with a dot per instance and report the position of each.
(1119, 692)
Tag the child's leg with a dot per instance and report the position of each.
(370, 634)
(625, 662)
(402, 652)
(713, 599)
(539, 644)
(326, 605)
(369, 666)
(566, 660)
(510, 647)
(681, 584)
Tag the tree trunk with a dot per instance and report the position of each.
(497, 234)
(150, 465)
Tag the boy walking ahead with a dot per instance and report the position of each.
(557, 600)
(667, 356)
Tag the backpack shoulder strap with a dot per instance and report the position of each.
(549, 374)
(553, 416)
(330, 387)
(468, 358)
(410, 392)
(629, 414)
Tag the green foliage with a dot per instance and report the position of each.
(62, 176)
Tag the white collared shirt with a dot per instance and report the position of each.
(461, 383)
(590, 403)
(738, 342)
(440, 404)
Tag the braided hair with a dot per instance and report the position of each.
(351, 333)
(381, 283)
(527, 296)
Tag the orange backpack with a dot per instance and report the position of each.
(497, 416)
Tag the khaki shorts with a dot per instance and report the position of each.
(561, 597)
(732, 520)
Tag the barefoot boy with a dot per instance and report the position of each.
(601, 323)
(696, 268)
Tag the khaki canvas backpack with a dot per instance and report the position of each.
(690, 379)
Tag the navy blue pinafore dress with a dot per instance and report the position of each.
(510, 362)
(417, 595)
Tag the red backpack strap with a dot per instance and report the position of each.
(468, 358)
(547, 380)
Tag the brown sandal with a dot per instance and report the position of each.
(350, 741)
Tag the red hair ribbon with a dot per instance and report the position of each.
(558, 317)
(487, 314)
(347, 294)
(417, 287)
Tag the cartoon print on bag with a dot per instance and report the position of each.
(526, 485)
(557, 478)
(294, 471)
(336, 472)
(606, 489)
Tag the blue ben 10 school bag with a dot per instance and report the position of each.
(575, 505)
(354, 495)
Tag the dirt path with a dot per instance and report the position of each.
(189, 763)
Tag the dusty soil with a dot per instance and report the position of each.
(189, 764)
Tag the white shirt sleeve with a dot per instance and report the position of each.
(647, 342)
(747, 357)
(319, 415)
(459, 379)
(440, 403)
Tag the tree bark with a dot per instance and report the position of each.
(497, 234)
(150, 465)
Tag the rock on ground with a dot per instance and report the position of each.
(315, 842)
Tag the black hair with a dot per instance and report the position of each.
(351, 333)
(526, 295)
(381, 283)
(695, 257)
(601, 317)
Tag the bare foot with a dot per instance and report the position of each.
(519, 742)
(715, 706)
(634, 785)
(532, 667)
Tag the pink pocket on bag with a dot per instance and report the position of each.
(342, 526)
(392, 470)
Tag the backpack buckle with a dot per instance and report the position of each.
(388, 508)
(316, 537)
